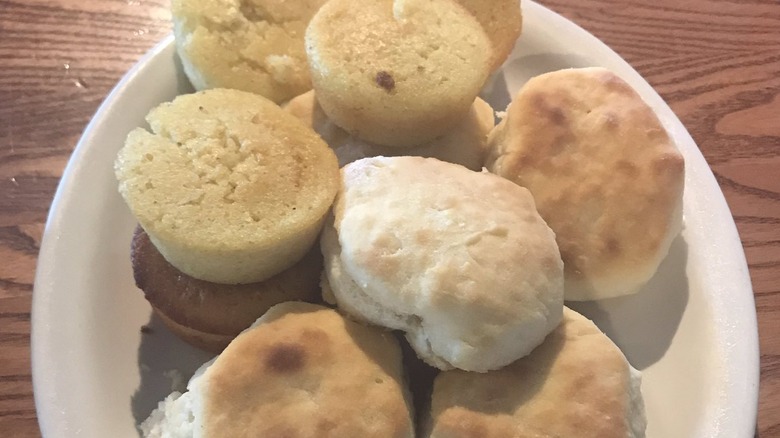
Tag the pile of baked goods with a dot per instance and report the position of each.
(377, 259)
(231, 192)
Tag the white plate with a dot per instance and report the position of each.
(691, 330)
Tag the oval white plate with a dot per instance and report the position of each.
(691, 330)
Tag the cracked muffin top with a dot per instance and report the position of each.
(224, 179)
(250, 45)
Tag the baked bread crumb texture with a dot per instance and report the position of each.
(376, 257)
(492, 284)
(230, 188)
(603, 171)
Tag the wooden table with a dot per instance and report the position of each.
(716, 62)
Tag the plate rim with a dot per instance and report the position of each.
(43, 383)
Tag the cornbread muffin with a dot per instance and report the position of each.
(209, 315)
(502, 20)
(230, 188)
(465, 144)
(576, 384)
(459, 260)
(397, 73)
(250, 45)
(603, 171)
(301, 371)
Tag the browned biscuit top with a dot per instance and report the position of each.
(576, 384)
(304, 371)
(604, 173)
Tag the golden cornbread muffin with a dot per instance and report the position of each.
(465, 144)
(576, 384)
(230, 188)
(250, 45)
(502, 20)
(301, 371)
(397, 73)
(209, 315)
(605, 174)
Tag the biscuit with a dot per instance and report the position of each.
(459, 260)
(250, 45)
(230, 188)
(302, 370)
(603, 171)
(576, 384)
(396, 72)
(209, 315)
(502, 20)
(465, 144)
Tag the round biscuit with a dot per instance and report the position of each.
(576, 384)
(604, 172)
(299, 371)
(459, 260)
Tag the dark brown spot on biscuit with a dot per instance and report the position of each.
(385, 80)
(556, 115)
(547, 108)
(285, 358)
(613, 247)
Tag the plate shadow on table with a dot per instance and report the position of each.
(165, 364)
(644, 324)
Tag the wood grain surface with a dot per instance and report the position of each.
(717, 63)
